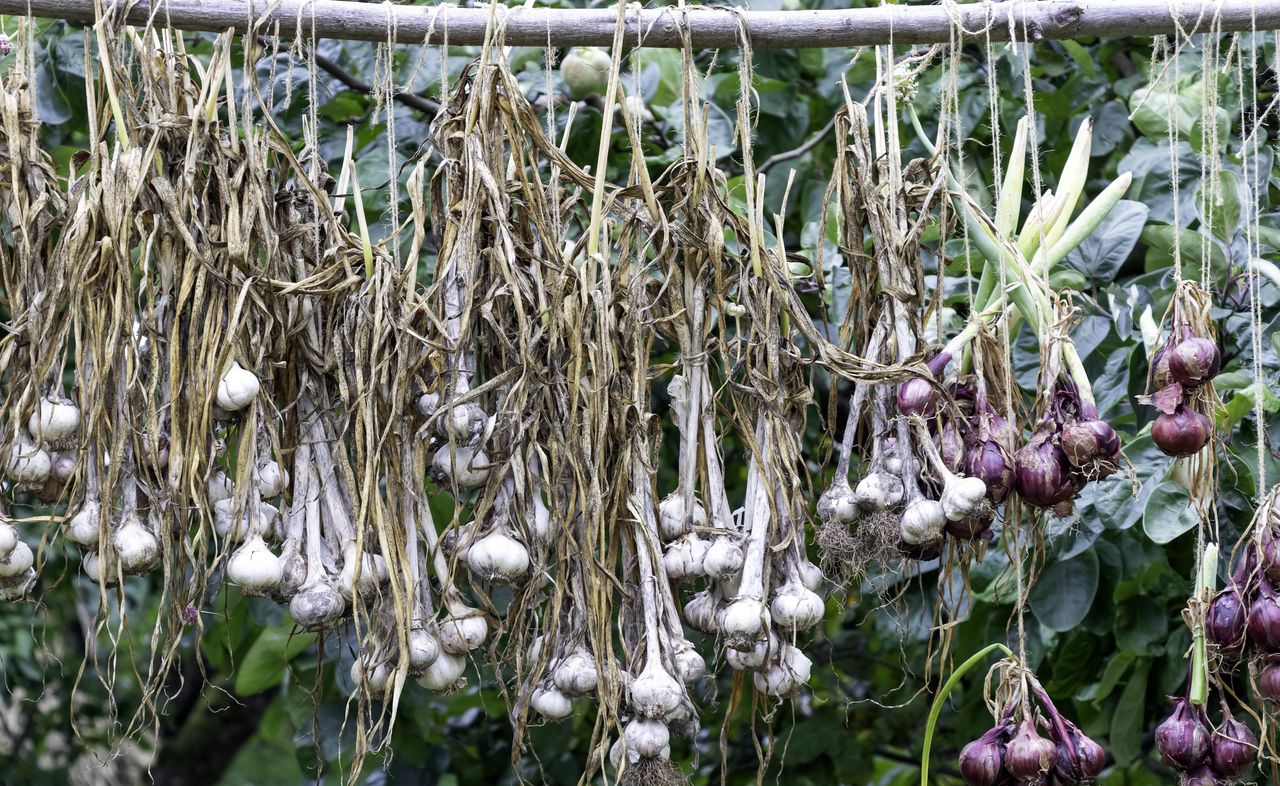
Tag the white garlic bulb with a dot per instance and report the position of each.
(498, 557)
(18, 561)
(796, 608)
(468, 466)
(551, 704)
(444, 672)
(83, 528)
(423, 650)
(461, 633)
(724, 558)
(962, 497)
(685, 557)
(745, 621)
(28, 462)
(8, 538)
(786, 675)
(655, 692)
(63, 466)
(674, 521)
(272, 478)
(237, 388)
(54, 420)
(922, 522)
(138, 548)
(254, 567)
(576, 674)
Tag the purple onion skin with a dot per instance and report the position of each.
(1043, 478)
(1271, 555)
(951, 446)
(1160, 374)
(1183, 738)
(969, 529)
(1080, 758)
(982, 761)
(1199, 776)
(1089, 441)
(918, 397)
(1234, 749)
(988, 463)
(921, 552)
(1226, 622)
(1028, 755)
(1269, 682)
(1264, 622)
(1194, 360)
(1182, 433)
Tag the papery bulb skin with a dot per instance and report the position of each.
(674, 521)
(988, 463)
(655, 693)
(8, 538)
(1226, 622)
(700, 612)
(838, 503)
(1234, 749)
(982, 761)
(1028, 755)
(878, 491)
(83, 528)
(1183, 738)
(28, 463)
(63, 466)
(445, 673)
(1161, 377)
(724, 558)
(54, 420)
(963, 497)
(462, 632)
(811, 577)
(576, 674)
(646, 738)
(498, 557)
(254, 567)
(17, 562)
(1182, 433)
(219, 486)
(690, 666)
(685, 557)
(423, 650)
(317, 606)
(1087, 442)
(1080, 759)
(950, 446)
(1263, 623)
(137, 547)
(922, 552)
(969, 529)
(1043, 479)
(918, 396)
(468, 467)
(272, 478)
(237, 388)
(464, 423)
(754, 657)
(795, 608)
(1194, 360)
(362, 571)
(786, 674)
(744, 622)
(426, 405)
(922, 522)
(1199, 776)
(551, 704)
(1269, 682)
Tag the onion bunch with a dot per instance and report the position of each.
(1202, 755)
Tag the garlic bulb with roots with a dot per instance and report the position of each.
(646, 738)
(674, 521)
(922, 522)
(138, 548)
(724, 558)
(685, 557)
(744, 622)
(655, 692)
(551, 704)
(786, 674)
(498, 557)
(462, 631)
(838, 503)
(372, 673)
(17, 561)
(795, 607)
(271, 477)
(254, 567)
(363, 572)
(28, 462)
(754, 657)
(879, 490)
(83, 528)
(576, 674)
(237, 388)
(54, 420)
(318, 604)
(15, 587)
(468, 466)
(444, 672)
(423, 650)
(963, 497)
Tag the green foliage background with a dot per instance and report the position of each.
(1105, 631)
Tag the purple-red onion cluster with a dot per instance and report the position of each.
(1179, 369)
(1203, 756)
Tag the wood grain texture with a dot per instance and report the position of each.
(708, 27)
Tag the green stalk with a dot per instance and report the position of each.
(1006, 219)
(1071, 182)
(941, 698)
(1206, 583)
(1085, 224)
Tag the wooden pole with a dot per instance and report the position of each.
(708, 27)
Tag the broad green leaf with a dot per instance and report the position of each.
(263, 666)
(1064, 592)
(1128, 722)
(1243, 402)
(1219, 204)
(1161, 238)
(1101, 254)
(1168, 513)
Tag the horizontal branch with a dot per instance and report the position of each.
(708, 27)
